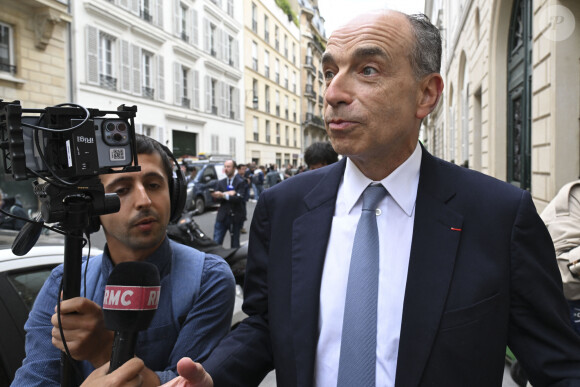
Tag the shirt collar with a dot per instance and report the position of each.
(401, 184)
(160, 258)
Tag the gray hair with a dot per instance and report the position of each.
(425, 55)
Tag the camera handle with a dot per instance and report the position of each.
(74, 208)
(76, 222)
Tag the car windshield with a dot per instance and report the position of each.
(28, 283)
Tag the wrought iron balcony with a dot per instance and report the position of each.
(108, 82)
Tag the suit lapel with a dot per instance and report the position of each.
(310, 235)
(436, 236)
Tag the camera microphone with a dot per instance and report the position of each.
(130, 302)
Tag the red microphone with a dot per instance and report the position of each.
(131, 299)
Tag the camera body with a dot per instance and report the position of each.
(68, 142)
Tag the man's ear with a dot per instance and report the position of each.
(430, 91)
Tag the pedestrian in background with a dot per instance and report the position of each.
(273, 177)
(230, 194)
(258, 181)
(320, 154)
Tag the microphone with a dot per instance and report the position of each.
(130, 302)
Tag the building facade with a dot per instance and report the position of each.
(272, 84)
(511, 104)
(34, 64)
(312, 46)
(177, 60)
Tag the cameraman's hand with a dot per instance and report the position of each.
(84, 330)
(191, 374)
(128, 375)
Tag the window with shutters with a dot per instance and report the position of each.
(7, 49)
(147, 74)
(266, 29)
(266, 64)
(182, 78)
(182, 22)
(214, 39)
(233, 147)
(277, 96)
(254, 18)
(267, 98)
(230, 9)
(214, 96)
(267, 131)
(145, 10)
(255, 100)
(277, 38)
(106, 51)
(295, 138)
(287, 136)
(255, 56)
(186, 102)
(277, 70)
(278, 133)
(215, 143)
(256, 128)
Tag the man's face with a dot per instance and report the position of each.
(242, 170)
(229, 168)
(139, 227)
(371, 96)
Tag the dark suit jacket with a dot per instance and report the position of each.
(482, 275)
(234, 208)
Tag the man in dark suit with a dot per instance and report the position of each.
(231, 214)
(466, 265)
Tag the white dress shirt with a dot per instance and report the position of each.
(395, 224)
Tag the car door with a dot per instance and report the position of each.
(18, 290)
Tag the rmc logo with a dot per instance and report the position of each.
(131, 297)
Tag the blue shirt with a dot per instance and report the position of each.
(205, 320)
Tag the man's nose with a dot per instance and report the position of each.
(142, 199)
(338, 90)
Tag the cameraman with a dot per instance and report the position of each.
(136, 233)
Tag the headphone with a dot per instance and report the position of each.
(177, 188)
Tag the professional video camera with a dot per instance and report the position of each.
(66, 141)
(67, 146)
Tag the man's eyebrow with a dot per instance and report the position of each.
(327, 58)
(129, 178)
(366, 52)
(361, 52)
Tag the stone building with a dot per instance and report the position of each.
(272, 84)
(34, 64)
(511, 103)
(312, 46)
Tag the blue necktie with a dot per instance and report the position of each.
(358, 349)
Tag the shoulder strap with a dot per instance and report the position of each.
(186, 271)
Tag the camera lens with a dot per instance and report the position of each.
(110, 127)
(117, 137)
(122, 127)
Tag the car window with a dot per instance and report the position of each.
(28, 283)
(210, 171)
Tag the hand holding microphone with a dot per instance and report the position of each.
(131, 299)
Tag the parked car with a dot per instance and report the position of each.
(21, 278)
(198, 190)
